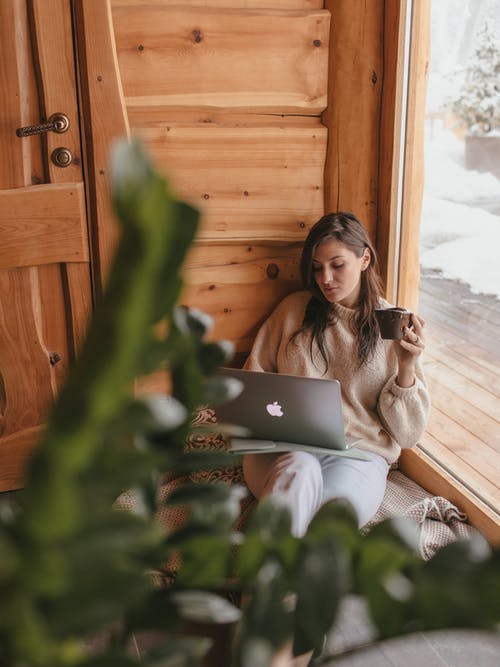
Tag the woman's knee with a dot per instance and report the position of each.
(298, 479)
(361, 484)
(296, 471)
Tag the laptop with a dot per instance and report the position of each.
(287, 413)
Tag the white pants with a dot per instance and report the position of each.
(307, 481)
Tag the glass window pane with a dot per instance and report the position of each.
(460, 241)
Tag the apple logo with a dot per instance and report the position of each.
(274, 409)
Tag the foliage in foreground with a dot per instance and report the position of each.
(72, 568)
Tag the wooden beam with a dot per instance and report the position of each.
(355, 79)
(413, 182)
(228, 4)
(391, 124)
(104, 121)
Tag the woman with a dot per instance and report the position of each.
(330, 331)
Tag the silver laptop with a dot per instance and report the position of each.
(286, 413)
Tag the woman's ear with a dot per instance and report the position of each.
(365, 259)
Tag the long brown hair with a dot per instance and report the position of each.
(320, 313)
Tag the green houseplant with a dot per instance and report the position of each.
(477, 104)
(76, 582)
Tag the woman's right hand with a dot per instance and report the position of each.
(409, 349)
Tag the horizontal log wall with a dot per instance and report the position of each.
(227, 97)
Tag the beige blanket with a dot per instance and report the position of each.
(439, 522)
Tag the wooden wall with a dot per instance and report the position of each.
(227, 95)
(265, 114)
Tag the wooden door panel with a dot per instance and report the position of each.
(53, 37)
(25, 365)
(45, 287)
(21, 162)
(43, 225)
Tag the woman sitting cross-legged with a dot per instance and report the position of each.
(330, 330)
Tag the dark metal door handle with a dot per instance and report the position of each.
(58, 122)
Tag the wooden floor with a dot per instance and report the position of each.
(462, 367)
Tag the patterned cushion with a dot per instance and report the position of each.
(228, 474)
(212, 441)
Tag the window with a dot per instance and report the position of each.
(459, 241)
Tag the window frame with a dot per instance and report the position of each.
(399, 232)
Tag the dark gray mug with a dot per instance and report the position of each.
(391, 322)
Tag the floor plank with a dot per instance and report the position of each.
(488, 377)
(456, 297)
(462, 367)
(480, 397)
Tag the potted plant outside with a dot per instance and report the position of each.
(478, 104)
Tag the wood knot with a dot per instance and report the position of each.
(374, 77)
(272, 271)
(54, 358)
(140, 47)
(317, 42)
(197, 36)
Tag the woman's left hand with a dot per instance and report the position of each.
(408, 349)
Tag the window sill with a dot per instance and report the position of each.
(431, 475)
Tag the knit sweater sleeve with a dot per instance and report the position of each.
(404, 411)
(274, 333)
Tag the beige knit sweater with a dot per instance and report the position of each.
(384, 415)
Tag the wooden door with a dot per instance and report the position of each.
(45, 287)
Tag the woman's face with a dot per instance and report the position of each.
(337, 271)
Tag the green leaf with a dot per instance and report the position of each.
(192, 321)
(335, 519)
(459, 587)
(9, 556)
(251, 556)
(215, 354)
(381, 565)
(321, 582)
(204, 607)
(271, 520)
(217, 390)
(266, 614)
(50, 576)
(205, 562)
